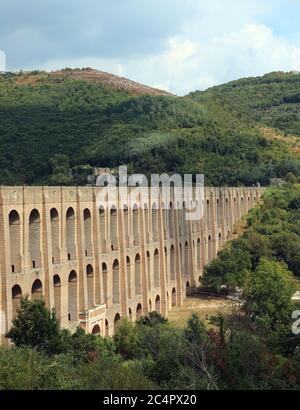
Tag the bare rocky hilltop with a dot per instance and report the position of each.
(110, 81)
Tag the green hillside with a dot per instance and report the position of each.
(52, 124)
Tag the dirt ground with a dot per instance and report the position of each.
(204, 306)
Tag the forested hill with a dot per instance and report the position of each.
(54, 123)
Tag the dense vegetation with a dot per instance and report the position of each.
(54, 129)
(252, 348)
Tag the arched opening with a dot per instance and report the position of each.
(139, 311)
(146, 218)
(37, 290)
(129, 284)
(157, 303)
(209, 244)
(105, 282)
(117, 322)
(156, 269)
(116, 282)
(96, 330)
(102, 229)
(35, 238)
(219, 212)
(73, 297)
(135, 225)
(198, 254)
(186, 258)
(114, 228)
(106, 328)
(154, 223)
(227, 212)
(57, 296)
(172, 262)
(188, 288)
(207, 214)
(70, 234)
(16, 299)
(149, 270)
(130, 314)
(90, 285)
(166, 265)
(87, 219)
(54, 223)
(137, 273)
(150, 305)
(173, 297)
(15, 242)
(126, 225)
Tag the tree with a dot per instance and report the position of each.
(268, 294)
(152, 319)
(36, 326)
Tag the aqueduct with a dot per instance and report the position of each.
(95, 264)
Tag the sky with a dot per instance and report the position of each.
(176, 45)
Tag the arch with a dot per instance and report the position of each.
(137, 275)
(150, 305)
(96, 330)
(117, 320)
(130, 314)
(219, 212)
(114, 228)
(73, 296)
(102, 228)
(188, 288)
(57, 296)
(129, 284)
(139, 311)
(116, 282)
(37, 290)
(157, 303)
(174, 297)
(16, 299)
(70, 234)
(154, 218)
(87, 221)
(126, 224)
(15, 241)
(55, 235)
(90, 285)
(106, 328)
(156, 269)
(35, 238)
(105, 282)
(172, 262)
(135, 225)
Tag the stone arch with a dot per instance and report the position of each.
(137, 275)
(198, 254)
(96, 330)
(90, 277)
(117, 320)
(154, 218)
(57, 296)
(37, 290)
(207, 213)
(73, 296)
(116, 282)
(139, 311)
(87, 220)
(129, 284)
(106, 328)
(156, 269)
(126, 224)
(172, 262)
(150, 305)
(105, 282)
(70, 233)
(219, 212)
(148, 269)
(188, 288)
(114, 228)
(55, 235)
(130, 314)
(16, 299)
(15, 241)
(135, 224)
(157, 303)
(174, 302)
(35, 238)
(102, 228)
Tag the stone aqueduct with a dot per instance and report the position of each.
(95, 265)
